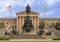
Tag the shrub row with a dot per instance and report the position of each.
(56, 39)
(4, 38)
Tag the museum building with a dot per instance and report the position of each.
(18, 22)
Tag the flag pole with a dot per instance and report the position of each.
(43, 9)
(9, 7)
(10, 16)
(10, 12)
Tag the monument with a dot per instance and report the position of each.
(28, 26)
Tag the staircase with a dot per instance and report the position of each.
(25, 36)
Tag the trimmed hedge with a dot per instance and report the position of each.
(56, 39)
(4, 38)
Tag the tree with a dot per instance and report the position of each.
(2, 25)
(42, 25)
(57, 27)
(52, 25)
(14, 31)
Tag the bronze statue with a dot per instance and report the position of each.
(28, 26)
(28, 9)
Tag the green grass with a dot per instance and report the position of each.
(29, 41)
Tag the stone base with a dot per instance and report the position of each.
(48, 36)
(25, 36)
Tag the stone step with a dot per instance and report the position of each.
(25, 36)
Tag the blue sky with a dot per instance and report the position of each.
(52, 7)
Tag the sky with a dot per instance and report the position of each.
(52, 8)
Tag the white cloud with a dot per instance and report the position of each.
(13, 3)
(48, 14)
(51, 2)
(5, 3)
(30, 2)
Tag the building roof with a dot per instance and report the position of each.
(39, 18)
(49, 18)
(25, 12)
(7, 18)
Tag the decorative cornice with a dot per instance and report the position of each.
(25, 12)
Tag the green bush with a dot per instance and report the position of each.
(56, 39)
(4, 38)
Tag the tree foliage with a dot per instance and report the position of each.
(42, 25)
(57, 27)
(2, 25)
(52, 25)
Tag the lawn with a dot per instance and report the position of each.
(29, 41)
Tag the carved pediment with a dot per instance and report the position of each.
(24, 12)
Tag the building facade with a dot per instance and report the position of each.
(21, 17)
(18, 22)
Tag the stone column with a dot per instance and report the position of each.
(5, 24)
(38, 22)
(35, 23)
(32, 20)
(17, 23)
(32, 23)
(20, 24)
(22, 20)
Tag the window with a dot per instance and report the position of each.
(15, 22)
(15, 26)
(12, 26)
(7, 23)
